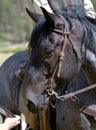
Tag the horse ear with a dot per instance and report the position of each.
(34, 16)
(50, 18)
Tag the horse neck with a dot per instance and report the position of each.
(90, 66)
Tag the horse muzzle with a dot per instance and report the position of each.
(36, 102)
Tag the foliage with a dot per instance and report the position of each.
(15, 24)
(94, 3)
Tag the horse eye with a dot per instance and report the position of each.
(48, 51)
(57, 25)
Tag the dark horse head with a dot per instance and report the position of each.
(57, 37)
(55, 49)
(59, 45)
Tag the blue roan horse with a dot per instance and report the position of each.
(61, 43)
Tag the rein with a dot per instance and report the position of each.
(70, 95)
(74, 100)
(6, 112)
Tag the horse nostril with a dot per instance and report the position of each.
(32, 107)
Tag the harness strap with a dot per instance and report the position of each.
(82, 108)
(79, 91)
(89, 112)
(61, 56)
(6, 112)
(75, 100)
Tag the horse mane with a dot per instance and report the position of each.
(88, 23)
(70, 12)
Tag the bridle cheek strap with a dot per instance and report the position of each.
(65, 33)
(61, 55)
(57, 70)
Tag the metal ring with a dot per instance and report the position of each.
(75, 98)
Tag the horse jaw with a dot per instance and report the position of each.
(34, 16)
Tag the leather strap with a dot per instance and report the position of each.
(79, 91)
(82, 107)
(89, 112)
(6, 112)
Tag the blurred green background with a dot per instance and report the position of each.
(94, 3)
(15, 26)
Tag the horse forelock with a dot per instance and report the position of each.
(38, 34)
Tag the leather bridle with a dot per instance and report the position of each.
(58, 66)
(65, 34)
(57, 71)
